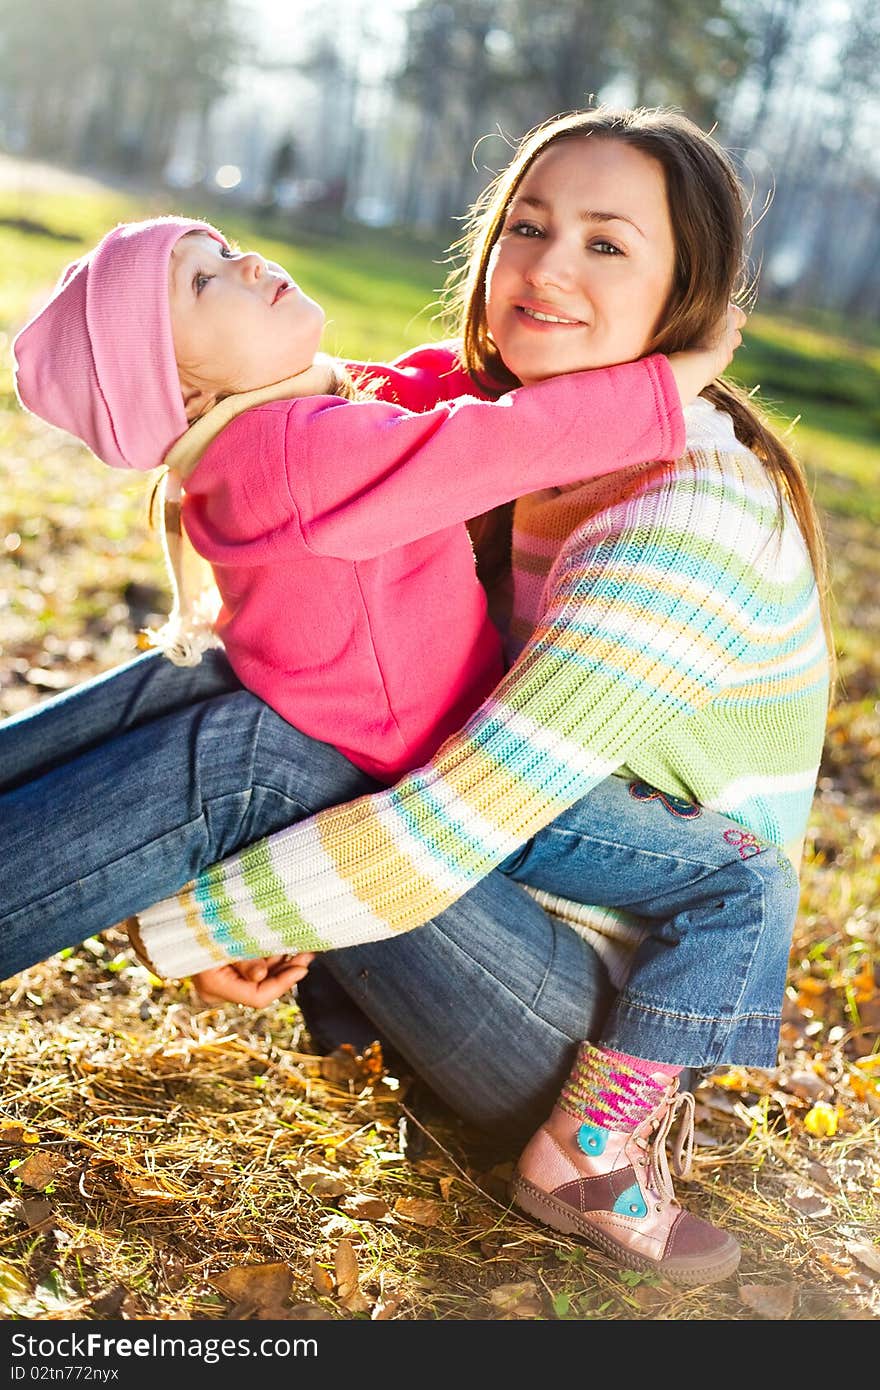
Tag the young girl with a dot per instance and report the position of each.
(670, 629)
(353, 512)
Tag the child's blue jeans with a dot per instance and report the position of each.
(118, 792)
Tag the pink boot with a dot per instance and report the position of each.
(615, 1189)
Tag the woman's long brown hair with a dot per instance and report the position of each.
(707, 209)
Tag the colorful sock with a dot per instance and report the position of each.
(612, 1089)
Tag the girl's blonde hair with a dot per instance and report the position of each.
(707, 209)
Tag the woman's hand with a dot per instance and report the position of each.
(695, 369)
(253, 982)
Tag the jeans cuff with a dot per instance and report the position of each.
(687, 1040)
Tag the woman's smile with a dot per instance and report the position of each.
(544, 316)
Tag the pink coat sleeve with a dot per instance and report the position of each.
(420, 378)
(366, 477)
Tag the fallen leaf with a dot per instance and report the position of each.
(364, 1208)
(704, 1139)
(864, 1087)
(108, 1303)
(735, 1079)
(422, 1210)
(768, 1300)
(40, 1169)
(807, 1085)
(320, 1182)
(717, 1101)
(867, 1255)
(320, 1277)
(383, 1311)
(809, 984)
(149, 1188)
(444, 1185)
(864, 983)
(344, 1065)
(261, 1289)
(305, 1312)
(34, 1211)
(823, 1119)
(502, 1171)
(649, 1297)
(334, 1225)
(809, 1203)
(13, 1285)
(372, 1062)
(517, 1300)
(843, 1271)
(340, 1067)
(13, 1132)
(820, 1174)
(347, 1288)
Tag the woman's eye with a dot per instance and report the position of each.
(200, 280)
(606, 248)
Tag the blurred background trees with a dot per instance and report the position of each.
(397, 113)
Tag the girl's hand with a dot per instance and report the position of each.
(697, 367)
(253, 982)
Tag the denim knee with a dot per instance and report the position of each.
(780, 889)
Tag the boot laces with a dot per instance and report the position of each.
(652, 1139)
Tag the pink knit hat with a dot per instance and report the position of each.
(98, 359)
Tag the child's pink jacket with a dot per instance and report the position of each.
(336, 534)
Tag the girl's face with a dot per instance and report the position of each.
(583, 267)
(238, 322)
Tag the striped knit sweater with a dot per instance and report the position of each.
(670, 630)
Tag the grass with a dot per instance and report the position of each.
(205, 1163)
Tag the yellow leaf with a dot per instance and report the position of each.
(13, 1284)
(13, 1132)
(869, 1063)
(808, 984)
(864, 984)
(733, 1080)
(822, 1121)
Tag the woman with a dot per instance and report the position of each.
(722, 674)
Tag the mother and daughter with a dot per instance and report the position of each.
(355, 755)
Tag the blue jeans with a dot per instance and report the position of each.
(120, 791)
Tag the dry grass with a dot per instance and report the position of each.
(187, 1142)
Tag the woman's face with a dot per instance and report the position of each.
(582, 270)
(238, 321)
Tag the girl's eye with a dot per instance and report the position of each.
(605, 248)
(226, 252)
(525, 229)
(200, 280)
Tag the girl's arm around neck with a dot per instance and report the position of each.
(367, 477)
